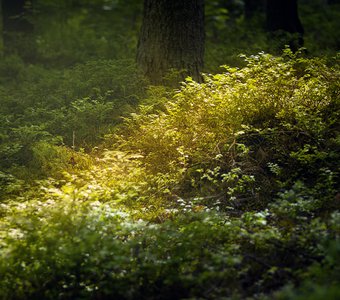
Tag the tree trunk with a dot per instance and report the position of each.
(252, 7)
(283, 18)
(172, 37)
(17, 29)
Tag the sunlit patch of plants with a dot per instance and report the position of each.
(227, 190)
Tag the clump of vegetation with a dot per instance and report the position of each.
(74, 107)
(112, 188)
(246, 129)
(228, 189)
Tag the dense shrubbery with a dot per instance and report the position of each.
(227, 190)
(76, 107)
(244, 130)
(71, 249)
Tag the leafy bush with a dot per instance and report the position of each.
(228, 190)
(273, 113)
(67, 245)
(76, 107)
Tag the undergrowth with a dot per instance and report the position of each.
(226, 190)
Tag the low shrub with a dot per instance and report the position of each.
(267, 120)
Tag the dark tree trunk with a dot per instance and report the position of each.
(171, 37)
(17, 28)
(252, 7)
(283, 18)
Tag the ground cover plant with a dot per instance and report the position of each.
(114, 186)
(236, 201)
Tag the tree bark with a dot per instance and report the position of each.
(171, 37)
(252, 7)
(283, 17)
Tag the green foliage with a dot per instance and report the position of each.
(229, 32)
(318, 17)
(76, 106)
(227, 189)
(69, 245)
(248, 129)
(239, 200)
(71, 32)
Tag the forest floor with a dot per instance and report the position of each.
(228, 189)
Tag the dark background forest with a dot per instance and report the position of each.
(169, 149)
